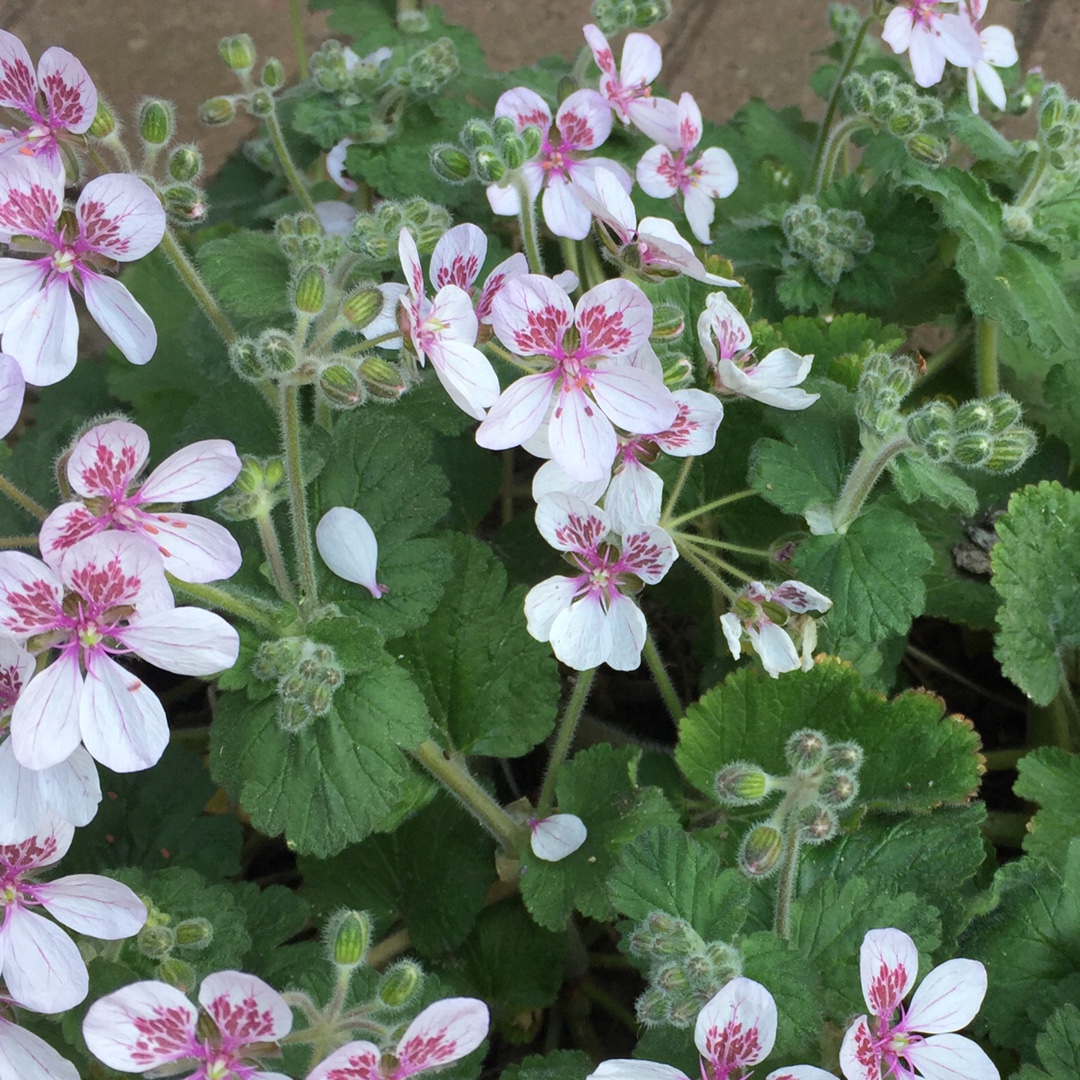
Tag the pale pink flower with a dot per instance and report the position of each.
(445, 329)
(117, 219)
(582, 123)
(556, 836)
(348, 546)
(12, 392)
(58, 100)
(590, 619)
(103, 470)
(931, 32)
(152, 1026)
(588, 372)
(726, 342)
(443, 1033)
(666, 171)
(997, 50)
(653, 247)
(39, 963)
(108, 597)
(23, 1056)
(754, 616)
(69, 791)
(947, 1000)
(628, 90)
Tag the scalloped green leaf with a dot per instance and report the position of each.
(1058, 1047)
(1051, 777)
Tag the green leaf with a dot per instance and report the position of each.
(1058, 1047)
(750, 716)
(556, 1065)
(916, 477)
(249, 274)
(666, 870)
(1030, 944)
(840, 345)
(1050, 777)
(489, 686)
(600, 786)
(872, 573)
(1037, 574)
(1062, 389)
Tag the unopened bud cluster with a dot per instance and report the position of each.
(884, 383)
(1059, 128)
(307, 674)
(486, 151)
(829, 240)
(428, 70)
(238, 53)
(824, 780)
(684, 970)
(303, 241)
(982, 434)
(374, 235)
(893, 105)
(161, 939)
(612, 16)
(256, 491)
(335, 71)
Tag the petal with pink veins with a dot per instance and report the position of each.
(245, 1007)
(516, 266)
(41, 965)
(628, 631)
(122, 721)
(65, 527)
(781, 368)
(22, 798)
(114, 568)
(93, 905)
(545, 602)
(611, 204)
(531, 315)
(42, 333)
(694, 430)
(72, 789)
(31, 198)
(555, 837)
(774, 647)
(30, 595)
(106, 460)
(141, 1026)
(120, 316)
(353, 1061)
(658, 119)
(948, 998)
(631, 1069)
(888, 965)
(568, 523)
(634, 497)
(45, 721)
(193, 548)
(452, 312)
(525, 107)
(636, 401)
(197, 471)
(951, 1057)
(517, 413)
(467, 376)
(564, 213)
(648, 553)
(615, 319)
(601, 50)
(410, 263)
(184, 640)
(582, 439)
(583, 120)
(20, 282)
(797, 597)
(444, 1032)
(18, 84)
(581, 636)
(737, 1026)
(458, 257)
(640, 62)
(47, 845)
(120, 216)
(68, 90)
(12, 391)
(722, 330)
(24, 1056)
(800, 1072)
(348, 546)
(656, 173)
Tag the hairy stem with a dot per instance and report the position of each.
(298, 38)
(860, 482)
(17, 495)
(707, 572)
(676, 491)
(292, 173)
(189, 275)
(275, 560)
(662, 679)
(785, 889)
(834, 147)
(670, 523)
(290, 439)
(9, 542)
(563, 740)
(527, 222)
(252, 610)
(986, 352)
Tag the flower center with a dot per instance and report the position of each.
(63, 260)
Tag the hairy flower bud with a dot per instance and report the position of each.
(939, 446)
(178, 973)
(1052, 106)
(361, 306)
(450, 163)
(972, 450)
(196, 933)
(309, 289)
(532, 138)
(273, 73)
(490, 168)
(293, 716)
(185, 203)
(399, 984)
(340, 387)
(476, 134)
(104, 123)
(260, 103)
(805, 749)
(383, 380)
(669, 321)
(513, 151)
(760, 851)
(238, 52)
(155, 940)
(277, 352)
(217, 111)
(244, 359)
(671, 978)
(1010, 450)
(859, 93)
(1005, 412)
(928, 149)
(742, 784)
(934, 418)
(651, 1007)
(726, 962)
(844, 755)
(838, 789)
(185, 163)
(973, 417)
(348, 936)
(816, 824)
(157, 121)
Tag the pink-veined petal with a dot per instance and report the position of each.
(20, 282)
(601, 50)
(31, 198)
(30, 595)
(951, 1057)
(348, 546)
(120, 216)
(184, 640)
(531, 314)
(444, 1032)
(18, 83)
(690, 125)
(614, 319)
(859, 1060)
(580, 635)
(40, 964)
(353, 1061)
(525, 107)
(410, 263)
(22, 798)
(555, 837)
(544, 602)
(197, 471)
(467, 375)
(107, 459)
(458, 256)
(192, 548)
(24, 1056)
(122, 721)
(564, 213)
(568, 523)
(583, 120)
(582, 439)
(551, 479)
(335, 166)
(93, 905)
(716, 174)
(888, 965)
(65, 527)
(800, 1072)
(631, 1069)
(517, 413)
(694, 430)
(69, 93)
(641, 60)
(611, 204)
(656, 173)
(72, 790)
(633, 497)
(47, 845)
(633, 399)
(658, 119)
(797, 597)
(42, 334)
(722, 330)
(948, 998)
(452, 311)
(245, 1007)
(737, 1026)
(12, 391)
(648, 553)
(45, 721)
(117, 568)
(628, 631)
(516, 266)
(121, 316)
(140, 1027)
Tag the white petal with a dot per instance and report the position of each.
(545, 602)
(467, 375)
(335, 166)
(733, 629)
(888, 965)
(694, 430)
(517, 414)
(582, 439)
(631, 1069)
(197, 471)
(557, 836)
(348, 546)
(93, 905)
(444, 1032)
(584, 121)
(564, 213)
(245, 1007)
(24, 1056)
(12, 391)
(742, 1005)
(120, 216)
(998, 46)
(22, 801)
(42, 334)
(658, 119)
(72, 789)
(797, 597)
(580, 635)
(948, 998)
(551, 478)
(122, 722)
(633, 497)
(951, 1057)
(628, 631)
(184, 640)
(656, 173)
(41, 964)
(114, 568)
(45, 721)
(800, 1072)
(336, 217)
(192, 548)
(121, 316)
(636, 401)
(458, 256)
(525, 107)
(115, 1027)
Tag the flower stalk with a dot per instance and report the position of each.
(291, 446)
(563, 740)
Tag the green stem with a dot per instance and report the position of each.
(676, 491)
(290, 438)
(670, 523)
(688, 542)
(837, 92)
(254, 611)
(785, 889)
(594, 268)
(563, 740)
(834, 147)
(274, 558)
(1001, 760)
(714, 579)
(451, 772)
(298, 38)
(708, 541)
(364, 346)
(662, 679)
(1065, 716)
(1028, 192)
(571, 250)
(8, 542)
(189, 275)
(860, 482)
(296, 181)
(17, 495)
(986, 343)
(527, 223)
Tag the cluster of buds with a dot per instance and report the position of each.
(307, 674)
(613, 16)
(428, 70)
(374, 236)
(168, 946)
(346, 941)
(303, 240)
(824, 780)
(829, 240)
(891, 104)
(486, 151)
(1059, 128)
(883, 384)
(239, 56)
(985, 433)
(336, 69)
(684, 971)
(258, 488)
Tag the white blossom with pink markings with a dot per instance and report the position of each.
(59, 99)
(40, 965)
(117, 219)
(931, 32)
(920, 1041)
(997, 49)
(23, 1056)
(103, 469)
(108, 597)
(445, 329)
(628, 90)
(151, 1026)
(443, 1033)
(586, 352)
(726, 342)
(666, 171)
(590, 619)
(582, 123)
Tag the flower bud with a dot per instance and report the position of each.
(275, 658)
(858, 93)
(973, 417)
(196, 933)
(760, 851)
(901, 378)
(742, 784)
(934, 418)
(844, 755)
(382, 379)
(1052, 106)
(816, 824)
(972, 450)
(513, 151)
(805, 749)
(260, 103)
(104, 123)
(671, 978)
(650, 12)
(244, 358)
(155, 940)
(185, 203)
(489, 168)
(450, 163)
(217, 111)
(477, 134)
(1058, 160)
(309, 289)
(293, 716)
(399, 984)
(502, 127)
(651, 1008)
(413, 21)
(1005, 412)
(939, 446)
(273, 73)
(838, 789)
(348, 935)
(697, 968)
(566, 86)
(928, 149)
(532, 137)
(669, 321)
(157, 121)
(340, 387)
(1016, 222)
(319, 699)
(682, 1010)
(905, 123)
(185, 163)
(277, 352)
(1010, 450)
(178, 973)
(726, 961)
(238, 52)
